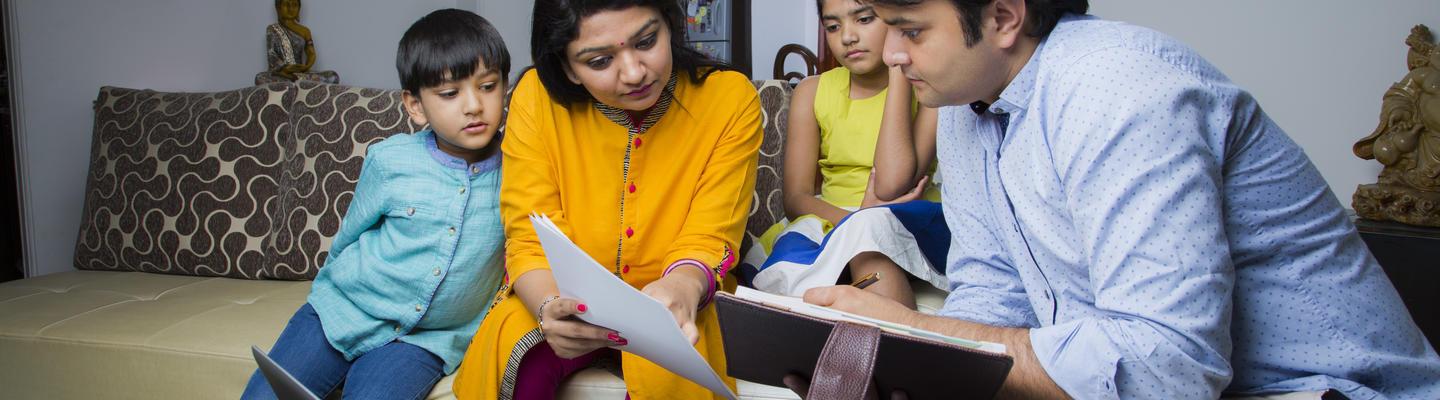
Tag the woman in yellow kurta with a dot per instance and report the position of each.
(643, 151)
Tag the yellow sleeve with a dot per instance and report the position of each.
(528, 182)
(722, 202)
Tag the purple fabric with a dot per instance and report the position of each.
(541, 371)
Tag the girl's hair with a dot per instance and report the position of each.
(556, 23)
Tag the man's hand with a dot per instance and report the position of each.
(858, 301)
(680, 293)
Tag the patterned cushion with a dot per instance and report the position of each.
(182, 183)
(768, 206)
(332, 125)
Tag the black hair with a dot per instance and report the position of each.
(1041, 15)
(452, 44)
(557, 22)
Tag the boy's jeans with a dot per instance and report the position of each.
(393, 371)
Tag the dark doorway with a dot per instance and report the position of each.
(10, 240)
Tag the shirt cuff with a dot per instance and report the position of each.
(1079, 358)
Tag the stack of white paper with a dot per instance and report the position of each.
(795, 304)
(611, 303)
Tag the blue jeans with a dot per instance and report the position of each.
(394, 371)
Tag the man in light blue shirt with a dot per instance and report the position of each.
(1130, 223)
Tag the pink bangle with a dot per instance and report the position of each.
(709, 276)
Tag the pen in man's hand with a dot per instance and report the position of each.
(867, 280)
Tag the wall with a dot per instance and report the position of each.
(775, 23)
(64, 50)
(1318, 67)
(512, 19)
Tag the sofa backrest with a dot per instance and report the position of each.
(252, 183)
(768, 204)
(248, 183)
(332, 126)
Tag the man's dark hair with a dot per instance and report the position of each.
(1041, 15)
(449, 44)
(557, 22)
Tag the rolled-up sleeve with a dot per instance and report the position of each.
(1143, 180)
(717, 213)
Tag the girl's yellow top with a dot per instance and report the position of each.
(849, 129)
(636, 195)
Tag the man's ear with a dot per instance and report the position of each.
(414, 107)
(1005, 21)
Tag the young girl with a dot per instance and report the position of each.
(412, 270)
(643, 151)
(872, 146)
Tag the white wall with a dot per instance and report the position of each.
(512, 19)
(775, 23)
(64, 50)
(1318, 67)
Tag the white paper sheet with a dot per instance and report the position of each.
(796, 304)
(650, 328)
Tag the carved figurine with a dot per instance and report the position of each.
(1407, 142)
(289, 51)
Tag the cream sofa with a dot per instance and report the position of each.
(206, 214)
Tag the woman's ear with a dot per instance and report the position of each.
(414, 107)
(570, 73)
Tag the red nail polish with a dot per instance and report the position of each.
(581, 307)
(622, 342)
(613, 337)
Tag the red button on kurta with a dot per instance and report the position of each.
(625, 270)
(632, 188)
(637, 142)
(629, 232)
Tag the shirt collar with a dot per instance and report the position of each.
(453, 162)
(1017, 94)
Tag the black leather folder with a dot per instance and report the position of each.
(763, 343)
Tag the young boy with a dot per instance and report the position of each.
(412, 269)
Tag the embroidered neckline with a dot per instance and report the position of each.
(622, 117)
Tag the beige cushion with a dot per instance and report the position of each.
(181, 183)
(94, 334)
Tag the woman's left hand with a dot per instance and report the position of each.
(680, 292)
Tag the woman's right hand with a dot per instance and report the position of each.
(568, 335)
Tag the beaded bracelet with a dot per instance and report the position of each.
(540, 313)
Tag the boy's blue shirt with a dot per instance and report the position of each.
(419, 255)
